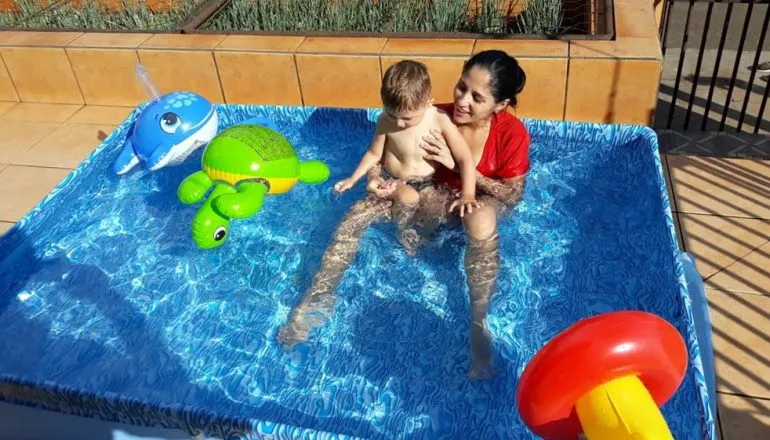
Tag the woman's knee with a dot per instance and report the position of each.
(481, 223)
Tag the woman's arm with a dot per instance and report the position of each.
(511, 146)
(437, 150)
(461, 153)
(506, 191)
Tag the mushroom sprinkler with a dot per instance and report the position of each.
(604, 377)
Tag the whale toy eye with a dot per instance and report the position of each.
(220, 233)
(170, 122)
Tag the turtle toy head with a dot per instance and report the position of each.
(209, 228)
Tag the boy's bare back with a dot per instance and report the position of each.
(403, 156)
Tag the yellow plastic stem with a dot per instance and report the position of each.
(621, 409)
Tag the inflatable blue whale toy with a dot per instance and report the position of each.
(171, 128)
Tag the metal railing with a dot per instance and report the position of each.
(715, 63)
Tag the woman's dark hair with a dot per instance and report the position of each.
(506, 77)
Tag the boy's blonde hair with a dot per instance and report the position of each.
(406, 86)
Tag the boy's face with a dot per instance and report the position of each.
(406, 118)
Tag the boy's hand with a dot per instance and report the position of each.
(343, 185)
(465, 204)
(381, 188)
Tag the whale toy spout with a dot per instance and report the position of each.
(171, 128)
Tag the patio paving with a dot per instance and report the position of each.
(721, 205)
(723, 210)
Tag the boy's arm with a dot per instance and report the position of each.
(462, 155)
(373, 155)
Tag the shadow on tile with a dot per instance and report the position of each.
(744, 418)
(732, 253)
(719, 186)
(741, 335)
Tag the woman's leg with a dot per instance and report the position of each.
(318, 303)
(482, 263)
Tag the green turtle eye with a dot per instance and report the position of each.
(220, 233)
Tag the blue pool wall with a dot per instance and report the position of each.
(169, 417)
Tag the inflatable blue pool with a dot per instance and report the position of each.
(109, 310)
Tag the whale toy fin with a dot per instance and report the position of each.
(127, 159)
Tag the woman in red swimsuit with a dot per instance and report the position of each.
(499, 142)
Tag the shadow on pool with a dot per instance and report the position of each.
(396, 338)
(163, 204)
(142, 367)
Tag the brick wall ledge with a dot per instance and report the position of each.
(579, 80)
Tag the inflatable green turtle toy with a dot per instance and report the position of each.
(242, 163)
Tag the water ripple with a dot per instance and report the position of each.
(111, 297)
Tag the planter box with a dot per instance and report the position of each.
(582, 19)
(154, 5)
(581, 80)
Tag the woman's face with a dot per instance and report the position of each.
(473, 99)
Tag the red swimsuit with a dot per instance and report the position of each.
(506, 152)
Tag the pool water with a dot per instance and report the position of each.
(108, 309)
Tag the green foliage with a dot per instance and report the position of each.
(90, 14)
(542, 17)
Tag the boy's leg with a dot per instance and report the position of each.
(405, 202)
(433, 209)
(318, 303)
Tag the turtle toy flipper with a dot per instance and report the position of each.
(243, 204)
(252, 161)
(194, 188)
(313, 172)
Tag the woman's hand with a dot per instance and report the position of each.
(465, 205)
(380, 187)
(437, 150)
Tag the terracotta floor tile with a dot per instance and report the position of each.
(39, 112)
(23, 188)
(749, 274)
(261, 43)
(733, 187)
(322, 76)
(744, 418)
(42, 74)
(719, 242)
(97, 114)
(5, 226)
(66, 146)
(741, 332)
(6, 106)
(18, 137)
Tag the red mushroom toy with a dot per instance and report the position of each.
(604, 377)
